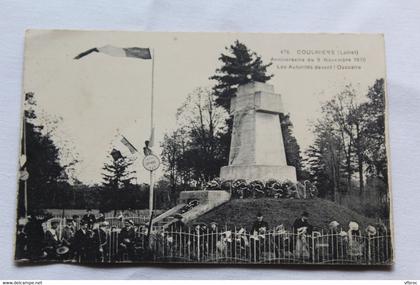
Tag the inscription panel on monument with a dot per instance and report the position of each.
(268, 102)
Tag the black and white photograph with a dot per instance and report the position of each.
(207, 148)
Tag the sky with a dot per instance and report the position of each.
(100, 97)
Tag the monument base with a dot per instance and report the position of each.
(258, 172)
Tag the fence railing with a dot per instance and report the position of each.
(202, 244)
(240, 247)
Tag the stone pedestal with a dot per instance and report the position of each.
(257, 148)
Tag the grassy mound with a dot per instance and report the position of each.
(242, 212)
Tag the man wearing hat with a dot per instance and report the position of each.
(126, 239)
(302, 222)
(76, 222)
(68, 232)
(51, 239)
(35, 234)
(301, 226)
(80, 242)
(89, 218)
(258, 230)
(259, 225)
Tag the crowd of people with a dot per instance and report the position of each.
(260, 242)
(80, 239)
(92, 239)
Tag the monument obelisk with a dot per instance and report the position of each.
(257, 148)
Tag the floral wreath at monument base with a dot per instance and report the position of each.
(271, 188)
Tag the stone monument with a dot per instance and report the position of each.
(257, 148)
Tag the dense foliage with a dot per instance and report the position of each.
(349, 146)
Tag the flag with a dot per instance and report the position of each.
(152, 138)
(135, 52)
(116, 154)
(125, 142)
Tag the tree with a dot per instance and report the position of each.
(347, 117)
(116, 173)
(239, 67)
(324, 158)
(174, 147)
(374, 109)
(43, 160)
(351, 135)
(204, 122)
(194, 152)
(117, 178)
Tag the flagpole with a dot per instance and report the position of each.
(26, 180)
(152, 93)
(151, 130)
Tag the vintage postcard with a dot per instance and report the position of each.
(225, 148)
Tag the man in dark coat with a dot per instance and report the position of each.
(301, 222)
(299, 226)
(89, 218)
(259, 224)
(67, 234)
(81, 242)
(51, 240)
(35, 235)
(21, 243)
(92, 246)
(258, 230)
(126, 240)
